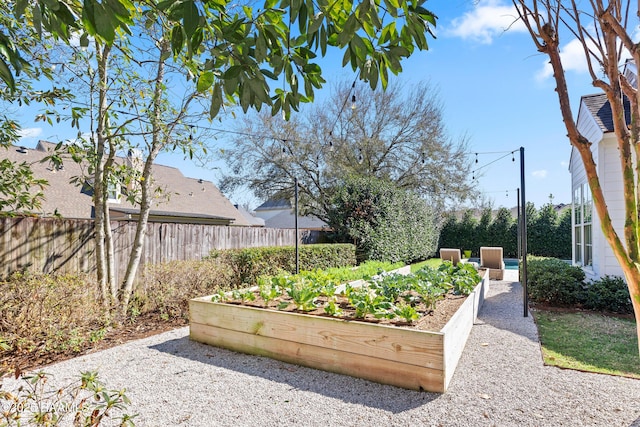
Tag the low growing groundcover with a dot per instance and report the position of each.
(588, 341)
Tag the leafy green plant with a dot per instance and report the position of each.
(609, 293)
(553, 281)
(406, 312)
(386, 222)
(87, 403)
(268, 289)
(367, 301)
(332, 308)
(303, 294)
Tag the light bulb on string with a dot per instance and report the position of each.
(476, 157)
(422, 159)
(331, 141)
(360, 156)
(513, 158)
(353, 102)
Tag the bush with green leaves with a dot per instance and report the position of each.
(549, 234)
(386, 222)
(553, 281)
(610, 293)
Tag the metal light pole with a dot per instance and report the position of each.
(523, 241)
(295, 181)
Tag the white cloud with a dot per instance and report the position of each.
(487, 20)
(564, 164)
(540, 174)
(30, 133)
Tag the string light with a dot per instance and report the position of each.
(476, 157)
(353, 101)
(360, 156)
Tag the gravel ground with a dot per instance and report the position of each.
(499, 381)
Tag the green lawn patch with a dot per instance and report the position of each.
(589, 342)
(432, 262)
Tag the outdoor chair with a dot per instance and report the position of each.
(491, 259)
(452, 255)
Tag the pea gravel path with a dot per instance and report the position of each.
(500, 381)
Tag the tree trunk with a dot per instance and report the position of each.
(102, 53)
(146, 183)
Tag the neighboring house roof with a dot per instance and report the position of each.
(249, 217)
(179, 198)
(274, 204)
(600, 109)
(287, 219)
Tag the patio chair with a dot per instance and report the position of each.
(491, 259)
(452, 255)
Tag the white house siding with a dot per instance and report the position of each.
(611, 182)
(606, 157)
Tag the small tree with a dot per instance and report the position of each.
(501, 233)
(605, 33)
(385, 222)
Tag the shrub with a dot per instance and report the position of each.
(166, 288)
(549, 235)
(610, 293)
(58, 312)
(387, 223)
(248, 264)
(553, 281)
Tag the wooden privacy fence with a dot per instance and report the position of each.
(67, 246)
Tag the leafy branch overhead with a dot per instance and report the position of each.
(234, 50)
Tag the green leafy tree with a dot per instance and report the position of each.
(541, 232)
(501, 232)
(386, 223)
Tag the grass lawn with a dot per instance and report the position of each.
(589, 342)
(433, 262)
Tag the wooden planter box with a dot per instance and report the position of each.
(413, 359)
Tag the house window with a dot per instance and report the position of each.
(582, 227)
(113, 192)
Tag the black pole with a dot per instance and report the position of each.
(295, 180)
(523, 279)
(519, 229)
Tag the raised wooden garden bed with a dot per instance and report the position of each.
(399, 356)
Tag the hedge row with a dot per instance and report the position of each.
(549, 234)
(554, 282)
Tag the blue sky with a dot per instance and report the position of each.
(496, 91)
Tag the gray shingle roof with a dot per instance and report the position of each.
(599, 107)
(180, 196)
(287, 219)
(276, 204)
